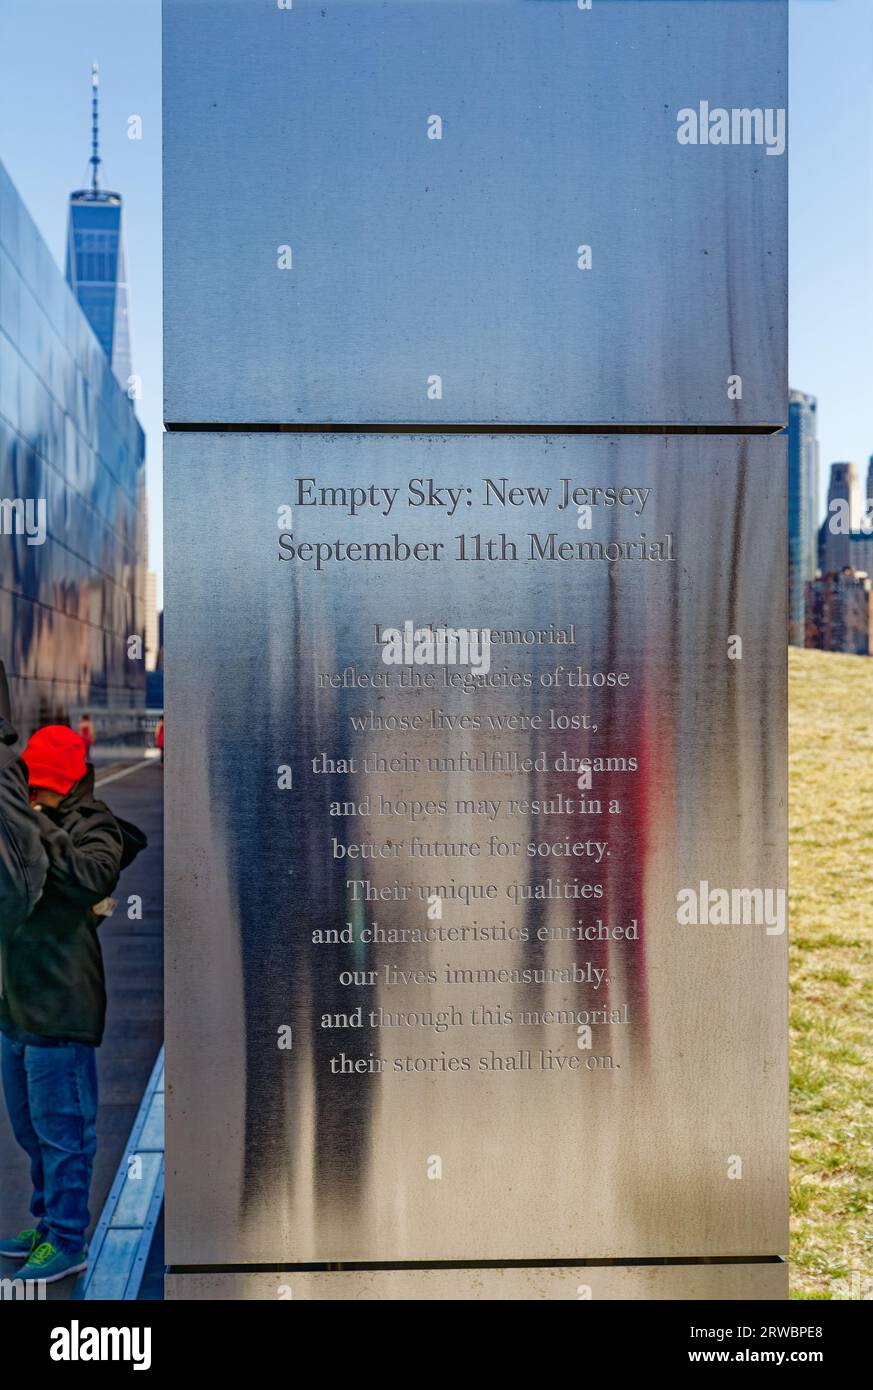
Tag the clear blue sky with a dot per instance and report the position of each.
(48, 47)
(831, 221)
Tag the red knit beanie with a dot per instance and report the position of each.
(55, 758)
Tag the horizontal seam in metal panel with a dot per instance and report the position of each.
(341, 1266)
(206, 427)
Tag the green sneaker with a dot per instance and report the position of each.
(49, 1264)
(19, 1247)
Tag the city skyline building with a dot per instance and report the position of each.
(845, 537)
(861, 539)
(839, 613)
(834, 548)
(95, 260)
(803, 470)
(861, 551)
(152, 641)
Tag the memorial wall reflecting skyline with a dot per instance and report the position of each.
(72, 455)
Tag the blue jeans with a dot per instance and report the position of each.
(51, 1096)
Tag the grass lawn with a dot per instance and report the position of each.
(831, 903)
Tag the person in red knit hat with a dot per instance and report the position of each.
(53, 1004)
(56, 759)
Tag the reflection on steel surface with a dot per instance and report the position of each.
(437, 280)
(273, 1158)
(67, 434)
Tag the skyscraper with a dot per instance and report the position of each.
(802, 507)
(861, 539)
(95, 268)
(835, 549)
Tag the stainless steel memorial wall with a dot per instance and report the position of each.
(72, 472)
(506, 211)
(455, 1038)
(476, 756)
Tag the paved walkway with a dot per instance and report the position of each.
(133, 955)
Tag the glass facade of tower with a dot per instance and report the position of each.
(96, 273)
(802, 508)
(72, 453)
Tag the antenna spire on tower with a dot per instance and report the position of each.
(95, 155)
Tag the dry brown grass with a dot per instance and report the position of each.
(831, 902)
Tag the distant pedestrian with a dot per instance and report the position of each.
(159, 736)
(86, 734)
(53, 1005)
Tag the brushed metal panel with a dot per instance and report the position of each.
(273, 1158)
(457, 257)
(757, 1282)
